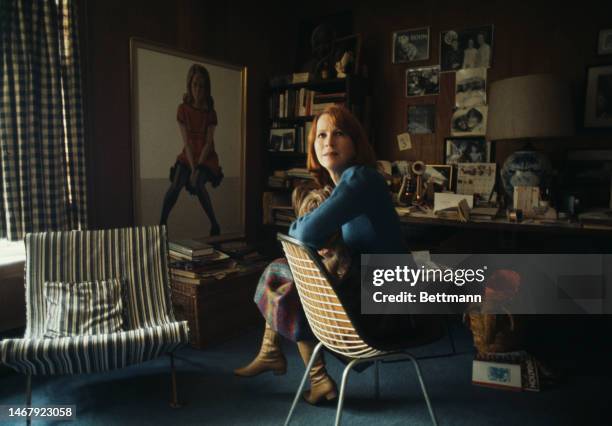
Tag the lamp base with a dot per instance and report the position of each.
(525, 168)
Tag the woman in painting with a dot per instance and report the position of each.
(198, 162)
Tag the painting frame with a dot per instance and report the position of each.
(407, 32)
(598, 97)
(147, 82)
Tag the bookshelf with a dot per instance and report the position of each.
(291, 109)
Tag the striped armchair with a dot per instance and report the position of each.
(138, 257)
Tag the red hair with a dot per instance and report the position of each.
(344, 120)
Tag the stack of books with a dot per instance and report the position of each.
(320, 101)
(283, 215)
(506, 370)
(189, 249)
(192, 261)
(596, 219)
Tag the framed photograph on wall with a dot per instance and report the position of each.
(598, 104)
(468, 48)
(469, 121)
(164, 101)
(467, 150)
(471, 87)
(410, 45)
(422, 81)
(604, 45)
(421, 119)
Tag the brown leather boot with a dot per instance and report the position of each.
(321, 385)
(269, 358)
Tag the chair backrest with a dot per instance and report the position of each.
(326, 315)
(139, 256)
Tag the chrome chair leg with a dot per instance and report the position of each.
(345, 374)
(377, 379)
(314, 355)
(29, 396)
(423, 389)
(174, 401)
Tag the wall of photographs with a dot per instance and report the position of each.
(430, 65)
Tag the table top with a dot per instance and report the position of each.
(502, 224)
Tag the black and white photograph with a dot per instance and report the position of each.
(422, 81)
(468, 150)
(598, 108)
(440, 176)
(469, 121)
(421, 119)
(281, 140)
(604, 45)
(346, 53)
(471, 87)
(469, 48)
(410, 45)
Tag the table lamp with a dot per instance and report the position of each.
(527, 108)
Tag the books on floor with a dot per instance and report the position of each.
(506, 370)
(191, 247)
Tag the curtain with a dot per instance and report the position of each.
(42, 178)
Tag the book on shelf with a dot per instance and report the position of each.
(301, 77)
(272, 200)
(302, 102)
(191, 247)
(299, 172)
(506, 370)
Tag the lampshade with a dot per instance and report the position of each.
(531, 106)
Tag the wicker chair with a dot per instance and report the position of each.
(331, 324)
(139, 256)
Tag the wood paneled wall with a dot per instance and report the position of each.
(238, 32)
(530, 37)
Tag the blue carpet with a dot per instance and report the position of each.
(213, 396)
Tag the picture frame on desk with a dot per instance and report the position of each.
(598, 97)
(589, 176)
(440, 175)
(466, 150)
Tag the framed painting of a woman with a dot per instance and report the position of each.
(188, 121)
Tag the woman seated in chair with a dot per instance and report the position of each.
(361, 207)
(277, 299)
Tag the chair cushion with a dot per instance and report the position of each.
(83, 308)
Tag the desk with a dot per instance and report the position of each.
(502, 234)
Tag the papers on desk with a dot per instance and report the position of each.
(445, 200)
(476, 178)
